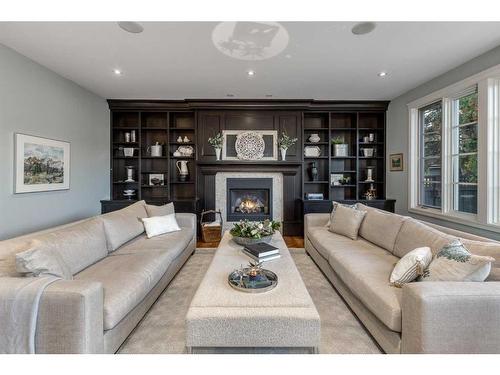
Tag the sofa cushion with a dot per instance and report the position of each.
(79, 245)
(380, 227)
(491, 249)
(325, 241)
(42, 261)
(126, 280)
(173, 243)
(346, 221)
(123, 225)
(166, 209)
(415, 234)
(366, 269)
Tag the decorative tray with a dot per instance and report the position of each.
(252, 280)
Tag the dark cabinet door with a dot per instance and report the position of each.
(209, 124)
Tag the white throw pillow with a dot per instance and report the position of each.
(411, 266)
(455, 263)
(157, 225)
(38, 261)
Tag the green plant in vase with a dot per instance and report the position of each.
(216, 142)
(284, 143)
(340, 148)
(246, 232)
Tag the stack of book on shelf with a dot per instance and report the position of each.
(261, 252)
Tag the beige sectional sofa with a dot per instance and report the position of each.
(117, 275)
(421, 317)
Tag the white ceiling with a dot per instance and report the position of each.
(177, 60)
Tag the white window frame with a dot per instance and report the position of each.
(488, 207)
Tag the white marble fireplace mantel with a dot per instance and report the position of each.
(221, 192)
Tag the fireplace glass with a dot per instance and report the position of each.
(249, 198)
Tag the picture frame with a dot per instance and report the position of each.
(335, 179)
(159, 177)
(396, 162)
(270, 138)
(40, 164)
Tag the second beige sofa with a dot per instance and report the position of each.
(422, 317)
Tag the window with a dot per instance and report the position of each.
(454, 152)
(430, 155)
(464, 153)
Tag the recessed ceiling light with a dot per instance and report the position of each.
(288, 56)
(363, 28)
(251, 73)
(131, 27)
(117, 72)
(382, 74)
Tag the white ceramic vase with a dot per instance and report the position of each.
(283, 154)
(217, 153)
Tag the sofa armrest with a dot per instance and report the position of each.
(451, 317)
(70, 318)
(315, 220)
(186, 220)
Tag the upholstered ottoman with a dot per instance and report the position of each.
(222, 317)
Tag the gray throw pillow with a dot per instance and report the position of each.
(334, 207)
(38, 261)
(346, 221)
(455, 263)
(166, 209)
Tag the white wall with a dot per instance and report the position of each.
(37, 101)
(397, 132)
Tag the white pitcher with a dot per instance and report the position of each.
(183, 169)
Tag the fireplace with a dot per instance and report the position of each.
(249, 198)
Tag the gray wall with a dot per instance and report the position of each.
(36, 101)
(397, 132)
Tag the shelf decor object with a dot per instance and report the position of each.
(216, 142)
(250, 145)
(41, 164)
(340, 148)
(312, 151)
(284, 143)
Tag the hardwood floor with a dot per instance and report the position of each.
(291, 241)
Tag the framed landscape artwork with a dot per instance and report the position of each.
(396, 162)
(41, 164)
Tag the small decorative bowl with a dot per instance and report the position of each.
(247, 241)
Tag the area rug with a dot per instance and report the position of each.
(162, 331)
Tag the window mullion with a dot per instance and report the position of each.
(489, 151)
(446, 159)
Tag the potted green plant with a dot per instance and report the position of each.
(284, 143)
(340, 148)
(246, 232)
(216, 142)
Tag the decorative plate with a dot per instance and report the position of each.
(250, 146)
(312, 151)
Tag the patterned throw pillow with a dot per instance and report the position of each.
(411, 266)
(455, 263)
(334, 207)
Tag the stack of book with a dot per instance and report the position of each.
(261, 252)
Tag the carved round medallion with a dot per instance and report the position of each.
(250, 146)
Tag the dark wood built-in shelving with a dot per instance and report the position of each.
(164, 121)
